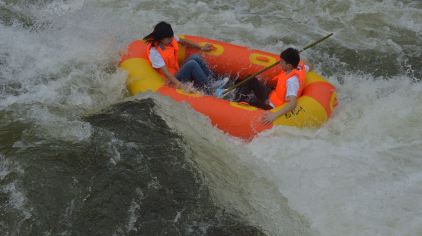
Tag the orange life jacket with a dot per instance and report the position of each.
(278, 95)
(169, 55)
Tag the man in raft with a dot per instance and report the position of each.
(162, 53)
(287, 87)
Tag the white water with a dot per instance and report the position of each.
(360, 174)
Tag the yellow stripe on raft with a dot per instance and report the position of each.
(142, 77)
(261, 59)
(308, 113)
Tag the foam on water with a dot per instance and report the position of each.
(360, 173)
(16, 199)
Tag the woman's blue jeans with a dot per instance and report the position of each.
(196, 70)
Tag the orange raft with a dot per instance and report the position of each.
(314, 107)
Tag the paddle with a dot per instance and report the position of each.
(221, 93)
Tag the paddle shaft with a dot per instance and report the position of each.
(271, 66)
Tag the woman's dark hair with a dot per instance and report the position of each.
(291, 56)
(161, 30)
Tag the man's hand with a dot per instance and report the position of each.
(269, 117)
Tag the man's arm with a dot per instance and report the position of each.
(269, 117)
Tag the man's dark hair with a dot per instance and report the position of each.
(291, 56)
(161, 30)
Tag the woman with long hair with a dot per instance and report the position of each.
(162, 53)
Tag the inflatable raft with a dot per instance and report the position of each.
(314, 107)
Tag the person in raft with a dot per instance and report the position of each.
(162, 52)
(289, 85)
